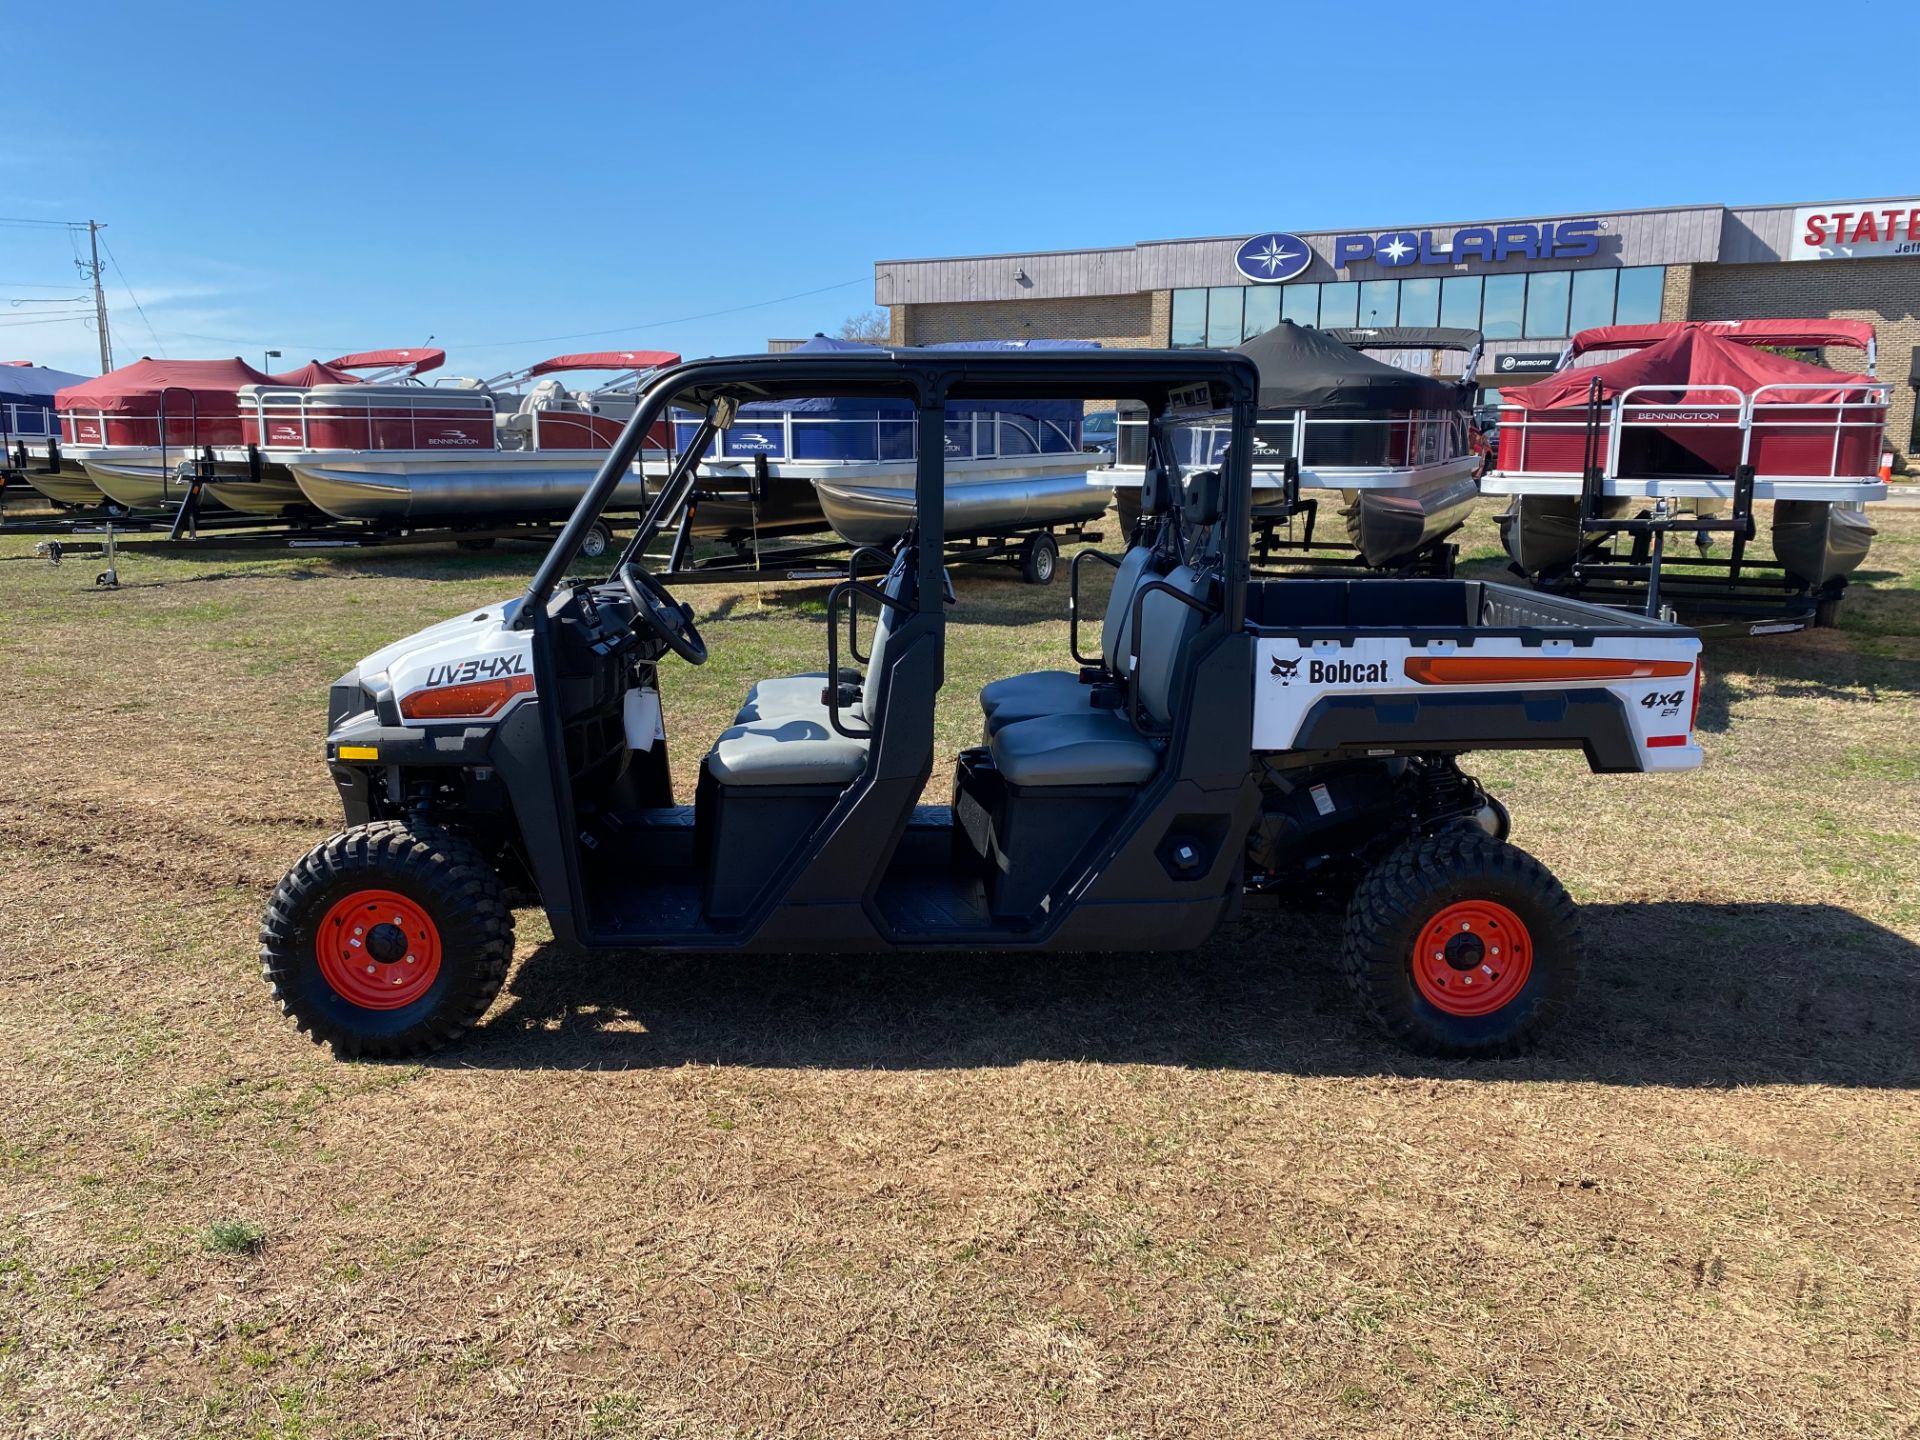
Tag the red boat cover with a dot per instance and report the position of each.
(607, 360)
(136, 389)
(1857, 333)
(1691, 355)
(418, 361)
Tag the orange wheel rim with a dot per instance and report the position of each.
(378, 950)
(1472, 958)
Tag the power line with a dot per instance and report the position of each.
(114, 260)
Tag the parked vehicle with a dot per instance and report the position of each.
(1395, 445)
(1228, 737)
(1684, 432)
(30, 436)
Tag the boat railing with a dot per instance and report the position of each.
(1785, 431)
(295, 419)
(20, 421)
(1323, 444)
(799, 437)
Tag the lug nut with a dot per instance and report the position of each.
(369, 969)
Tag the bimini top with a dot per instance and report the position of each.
(605, 360)
(1857, 333)
(1407, 337)
(24, 384)
(1691, 356)
(1302, 368)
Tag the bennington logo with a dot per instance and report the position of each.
(1331, 672)
(481, 667)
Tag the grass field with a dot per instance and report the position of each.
(1091, 1196)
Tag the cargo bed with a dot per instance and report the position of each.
(1367, 667)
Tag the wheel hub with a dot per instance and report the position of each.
(378, 949)
(1472, 958)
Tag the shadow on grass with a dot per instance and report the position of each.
(1676, 994)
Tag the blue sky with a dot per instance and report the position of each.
(315, 179)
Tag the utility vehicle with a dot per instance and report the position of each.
(1230, 736)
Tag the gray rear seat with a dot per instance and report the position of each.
(1101, 747)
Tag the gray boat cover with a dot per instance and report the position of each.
(1407, 337)
(1302, 368)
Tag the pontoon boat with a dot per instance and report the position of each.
(30, 434)
(451, 452)
(142, 431)
(1694, 414)
(1395, 444)
(1010, 467)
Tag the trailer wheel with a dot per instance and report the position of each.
(1039, 558)
(1461, 945)
(389, 939)
(597, 541)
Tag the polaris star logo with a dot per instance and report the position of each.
(1286, 669)
(1269, 259)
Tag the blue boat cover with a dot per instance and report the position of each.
(26, 398)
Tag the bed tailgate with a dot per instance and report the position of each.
(1627, 700)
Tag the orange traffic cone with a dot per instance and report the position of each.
(1886, 466)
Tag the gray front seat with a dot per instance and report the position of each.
(1101, 747)
(783, 735)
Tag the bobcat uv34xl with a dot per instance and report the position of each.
(1229, 737)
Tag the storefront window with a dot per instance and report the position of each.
(1189, 318)
(1223, 316)
(1460, 302)
(1592, 300)
(1640, 291)
(1380, 302)
(1547, 303)
(1503, 310)
(1263, 311)
(1339, 303)
(1420, 302)
(1300, 304)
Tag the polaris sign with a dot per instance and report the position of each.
(1269, 259)
(1562, 240)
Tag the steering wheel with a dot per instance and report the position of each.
(665, 616)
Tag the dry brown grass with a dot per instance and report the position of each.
(1112, 1195)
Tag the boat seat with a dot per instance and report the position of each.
(1058, 692)
(1103, 748)
(784, 733)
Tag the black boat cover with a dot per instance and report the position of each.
(1302, 368)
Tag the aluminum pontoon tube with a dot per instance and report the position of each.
(878, 514)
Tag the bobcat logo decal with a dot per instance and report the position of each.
(1286, 669)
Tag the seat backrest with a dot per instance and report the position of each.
(898, 585)
(1116, 634)
(1167, 628)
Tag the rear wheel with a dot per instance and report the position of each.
(1461, 945)
(1039, 559)
(389, 939)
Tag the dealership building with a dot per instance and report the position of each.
(1527, 284)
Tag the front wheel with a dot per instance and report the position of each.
(387, 940)
(1461, 945)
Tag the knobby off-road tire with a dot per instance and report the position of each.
(387, 940)
(1461, 945)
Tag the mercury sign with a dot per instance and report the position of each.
(1855, 232)
(1565, 240)
(1269, 259)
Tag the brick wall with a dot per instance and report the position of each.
(1885, 292)
(1677, 295)
(1118, 322)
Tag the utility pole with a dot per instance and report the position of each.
(100, 299)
